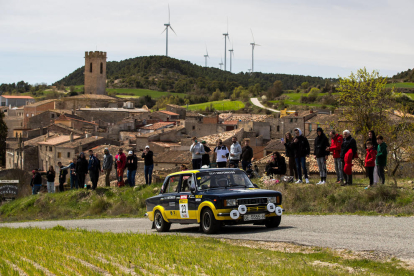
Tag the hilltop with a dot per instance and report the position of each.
(168, 74)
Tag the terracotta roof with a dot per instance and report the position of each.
(63, 117)
(174, 156)
(157, 125)
(17, 97)
(169, 113)
(230, 122)
(35, 141)
(275, 145)
(40, 103)
(160, 131)
(176, 106)
(115, 109)
(212, 139)
(75, 131)
(193, 114)
(166, 145)
(243, 117)
(79, 142)
(58, 140)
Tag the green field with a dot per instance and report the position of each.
(218, 105)
(59, 251)
(294, 99)
(401, 85)
(135, 92)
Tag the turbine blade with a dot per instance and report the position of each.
(164, 30)
(172, 30)
(168, 13)
(228, 37)
(252, 35)
(257, 45)
(227, 24)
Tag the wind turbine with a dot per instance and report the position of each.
(253, 44)
(221, 63)
(167, 25)
(206, 56)
(231, 55)
(226, 36)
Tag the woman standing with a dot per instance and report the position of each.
(50, 176)
(372, 138)
(290, 153)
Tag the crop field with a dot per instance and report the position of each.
(58, 251)
(401, 85)
(294, 99)
(218, 105)
(135, 92)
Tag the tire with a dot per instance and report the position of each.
(209, 224)
(160, 224)
(273, 222)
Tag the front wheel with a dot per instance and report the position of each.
(160, 224)
(273, 222)
(209, 224)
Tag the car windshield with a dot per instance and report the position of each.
(223, 180)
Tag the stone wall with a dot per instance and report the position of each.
(31, 110)
(12, 123)
(42, 120)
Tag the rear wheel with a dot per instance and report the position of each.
(273, 222)
(209, 224)
(160, 224)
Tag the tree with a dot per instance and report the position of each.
(3, 136)
(276, 90)
(305, 85)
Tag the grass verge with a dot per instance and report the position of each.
(72, 252)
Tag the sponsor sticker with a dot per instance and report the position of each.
(199, 196)
(183, 197)
(184, 208)
(172, 203)
(198, 199)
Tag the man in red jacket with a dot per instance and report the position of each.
(335, 148)
(120, 163)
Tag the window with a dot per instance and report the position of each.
(193, 127)
(90, 67)
(68, 154)
(172, 184)
(53, 116)
(50, 148)
(101, 68)
(27, 114)
(40, 147)
(278, 128)
(32, 114)
(59, 155)
(291, 120)
(185, 187)
(296, 120)
(310, 127)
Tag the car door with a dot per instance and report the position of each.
(185, 200)
(168, 199)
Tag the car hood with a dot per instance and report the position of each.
(237, 192)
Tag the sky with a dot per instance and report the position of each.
(43, 41)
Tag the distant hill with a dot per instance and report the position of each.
(169, 74)
(405, 76)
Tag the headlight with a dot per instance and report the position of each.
(271, 200)
(230, 202)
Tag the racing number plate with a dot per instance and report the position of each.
(254, 217)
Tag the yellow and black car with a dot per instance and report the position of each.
(212, 198)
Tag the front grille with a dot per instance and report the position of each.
(252, 201)
(256, 209)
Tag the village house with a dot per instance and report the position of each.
(181, 111)
(112, 115)
(15, 101)
(171, 135)
(77, 123)
(156, 126)
(88, 100)
(36, 108)
(172, 159)
(165, 116)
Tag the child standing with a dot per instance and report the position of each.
(370, 162)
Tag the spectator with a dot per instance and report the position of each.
(62, 176)
(149, 164)
(132, 165)
(250, 172)
(93, 168)
(290, 153)
(107, 166)
(235, 152)
(277, 165)
(222, 153)
(50, 176)
(321, 154)
(373, 139)
(73, 176)
(81, 169)
(36, 182)
(183, 167)
(205, 160)
(335, 148)
(246, 155)
(120, 163)
(197, 151)
(381, 158)
(348, 143)
(370, 162)
(301, 147)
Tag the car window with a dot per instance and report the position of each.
(185, 187)
(222, 179)
(172, 184)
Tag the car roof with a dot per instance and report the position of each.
(206, 170)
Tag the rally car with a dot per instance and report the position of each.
(213, 198)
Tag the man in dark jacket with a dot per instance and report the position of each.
(36, 182)
(246, 155)
(93, 168)
(131, 165)
(149, 164)
(301, 147)
(381, 159)
(81, 169)
(62, 176)
(349, 143)
(107, 166)
(321, 154)
(205, 159)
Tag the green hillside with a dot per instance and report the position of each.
(218, 105)
(173, 75)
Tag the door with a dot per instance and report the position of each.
(169, 195)
(185, 200)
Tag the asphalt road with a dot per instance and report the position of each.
(256, 102)
(391, 235)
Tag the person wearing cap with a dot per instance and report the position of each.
(148, 155)
(132, 165)
(197, 151)
(107, 166)
(205, 159)
(120, 163)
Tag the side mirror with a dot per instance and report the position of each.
(192, 190)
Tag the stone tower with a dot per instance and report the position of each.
(95, 72)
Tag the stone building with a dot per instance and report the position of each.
(165, 116)
(36, 108)
(95, 72)
(45, 118)
(157, 126)
(172, 159)
(296, 120)
(15, 101)
(181, 111)
(88, 101)
(112, 115)
(77, 123)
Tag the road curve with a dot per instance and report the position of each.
(391, 235)
(256, 102)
